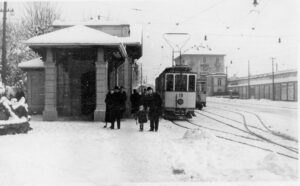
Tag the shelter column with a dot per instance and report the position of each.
(50, 112)
(101, 85)
(127, 84)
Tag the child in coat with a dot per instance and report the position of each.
(141, 117)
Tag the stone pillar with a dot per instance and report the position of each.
(127, 84)
(50, 112)
(101, 86)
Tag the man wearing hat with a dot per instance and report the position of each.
(116, 109)
(153, 104)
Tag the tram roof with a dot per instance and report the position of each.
(178, 69)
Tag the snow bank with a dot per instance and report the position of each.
(197, 134)
(201, 156)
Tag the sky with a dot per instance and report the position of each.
(236, 28)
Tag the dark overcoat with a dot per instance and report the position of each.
(153, 103)
(109, 104)
(117, 105)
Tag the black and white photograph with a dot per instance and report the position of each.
(149, 92)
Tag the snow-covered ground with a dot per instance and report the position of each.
(85, 153)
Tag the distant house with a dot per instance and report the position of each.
(209, 67)
(79, 62)
(261, 86)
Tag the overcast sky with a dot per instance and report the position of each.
(233, 27)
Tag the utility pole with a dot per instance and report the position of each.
(273, 84)
(4, 62)
(248, 79)
(226, 83)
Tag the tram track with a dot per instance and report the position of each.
(276, 133)
(255, 105)
(289, 148)
(236, 141)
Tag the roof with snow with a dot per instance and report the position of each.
(135, 37)
(75, 35)
(78, 35)
(32, 64)
(94, 22)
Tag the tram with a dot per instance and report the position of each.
(177, 87)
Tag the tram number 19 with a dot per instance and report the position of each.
(180, 95)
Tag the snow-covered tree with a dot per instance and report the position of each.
(37, 19)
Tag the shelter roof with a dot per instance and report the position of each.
(78, 35)
(75, 35)
(135, 37)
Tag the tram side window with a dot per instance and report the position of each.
(192, 83)
(170, 82)
(180, 82)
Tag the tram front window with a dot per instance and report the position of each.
(180, 82)
(192, 79)
(170, 82)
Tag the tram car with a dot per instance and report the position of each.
(177, 87)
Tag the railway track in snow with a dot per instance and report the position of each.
(246, 137)
(255, 131)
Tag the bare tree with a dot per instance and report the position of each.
(38, 17)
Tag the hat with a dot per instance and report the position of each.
(116, 87)
(149, 88)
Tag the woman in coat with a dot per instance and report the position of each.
(108, 102)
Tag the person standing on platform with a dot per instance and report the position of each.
(135, 101)
(108, 102)
(153, 104)
(116, 110)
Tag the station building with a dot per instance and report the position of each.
(261, 86)
(209, 67)
(79, 62)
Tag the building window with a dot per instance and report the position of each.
(219, 81)
(204, 59)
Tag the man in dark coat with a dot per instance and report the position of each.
(116, 111)
(108, 102)
(153, 103)
(135, 101)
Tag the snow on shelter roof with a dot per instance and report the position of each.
(34, 63)
(78, 35)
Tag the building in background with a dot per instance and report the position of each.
(79, 63)
(261, 86)
(209, 67)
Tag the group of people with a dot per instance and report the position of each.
(13, 105)
(144, 106)
(115, 106)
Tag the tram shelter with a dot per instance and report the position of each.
(78, 65)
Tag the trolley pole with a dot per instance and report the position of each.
(248, 79)
(273, 83)
(172, 58)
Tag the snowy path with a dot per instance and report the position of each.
(84, 153)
